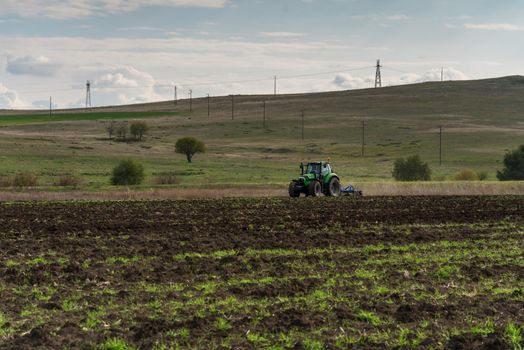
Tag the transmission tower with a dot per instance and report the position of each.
(378, 76)
(88, 94)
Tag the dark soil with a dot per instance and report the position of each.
(109, 248)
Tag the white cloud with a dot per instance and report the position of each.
(494, 26)
(347, 81)
(430, 75)
(281, 34)
(397, 18)
(381, 17)
(140, 28)
(29, 65)
(67, 9)
(121, 84)
(9, 99)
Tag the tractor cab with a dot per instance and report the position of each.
(315, 178)
(319, 169)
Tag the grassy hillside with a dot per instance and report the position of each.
(481, 120)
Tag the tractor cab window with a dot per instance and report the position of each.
(326, 169)
(313, 168)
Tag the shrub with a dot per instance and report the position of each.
(68, 180)
(128, 172)
(189, 146)
(121, 132)
(513, 166)
(6, 181)
(482, 175)
(25, 179)
(111, 129)
(411, 169)
(167, 178)
(467, 175)
(138, 129)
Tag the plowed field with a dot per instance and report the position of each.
(384, 272)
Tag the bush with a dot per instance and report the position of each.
(189, 146)
(121, 132)
(128, 172)
(6, 181)
(138, 129)
(513, 166)
(411, 169)
(166, 179)
(482, 175)
(25, 179)
(68, 180)
(467, 175)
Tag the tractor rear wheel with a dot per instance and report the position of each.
(293, 192)
(314, 189)
(333, 189)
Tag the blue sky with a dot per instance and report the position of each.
(136, 51)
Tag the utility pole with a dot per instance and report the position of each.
(303, 114)
(176, 97)
(232, 107)
(88, 94)
(208, 107)
(363, 137)
(440, 145)
(378, 76)
(442, 74)
(50, 106)
(275, 86)
(190, 100)
(264, 115)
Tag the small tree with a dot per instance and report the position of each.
(513, 165)
(189, 146)
(111, 129)
(121, 132)
(138, 129)
(128, 172)
(411, 169)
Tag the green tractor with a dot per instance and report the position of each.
(315, 178)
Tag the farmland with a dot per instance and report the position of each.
(481, 121)
(371, 272)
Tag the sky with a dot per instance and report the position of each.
(135, 51)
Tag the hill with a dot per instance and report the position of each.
(481, 120)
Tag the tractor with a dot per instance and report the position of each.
(315, 178)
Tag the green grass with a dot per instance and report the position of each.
(115, 344)
(514, 334)
(81, 115)
(479, 128)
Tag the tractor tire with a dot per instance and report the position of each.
(333, 188)
(293, 193)
(314, 189)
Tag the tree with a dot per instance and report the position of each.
(121, 132)
(189, 146)
(138, 129)
(128, 172)
(411, 169)
(513, 165)
(111, 129)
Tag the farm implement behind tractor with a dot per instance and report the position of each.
(317, 178)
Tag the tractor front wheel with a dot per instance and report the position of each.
(333, 189)
(293, 192)
(314, 189)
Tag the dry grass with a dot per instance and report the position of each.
(369, 189)
(446, 188)
(68, 180)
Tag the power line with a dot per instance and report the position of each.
(252, 80)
